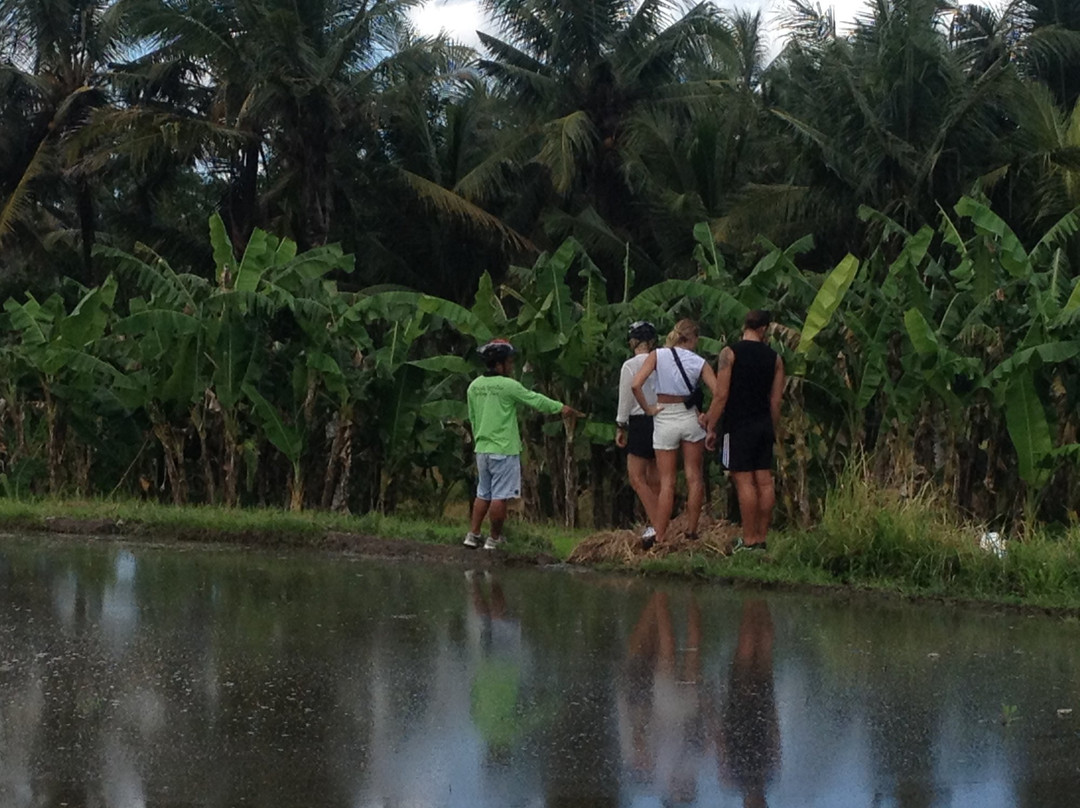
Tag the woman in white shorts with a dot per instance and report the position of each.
(677, 423)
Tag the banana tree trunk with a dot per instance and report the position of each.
(172, 444)
(530, 483)
(569, 473)
(55, 443)
(14, 411)
(198, 418)
(230, 466)
(296, 488)
(339, 461)
(340, 502)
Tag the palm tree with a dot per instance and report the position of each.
(288, 88)
(892, 117)
(580, 72)
(1048, 32)
(55, 67)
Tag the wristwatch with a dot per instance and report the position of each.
(622, 425)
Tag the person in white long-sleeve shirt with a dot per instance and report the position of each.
(635, 428)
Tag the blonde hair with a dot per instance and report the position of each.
(648, 343)
(685, 331)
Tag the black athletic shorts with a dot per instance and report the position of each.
(639, 437)
(748, 446)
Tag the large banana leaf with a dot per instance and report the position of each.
(1050, 353)
(921, 333)
(286, 439)
(90, 317)
(827, 301)
(1028, 428)
(224, 260)
(1008, 250)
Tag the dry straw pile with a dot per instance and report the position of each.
(715, 538)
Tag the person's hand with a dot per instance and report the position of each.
(703, 421)
(570, 412)
(652, 410)
(710, 440)
(620, 438)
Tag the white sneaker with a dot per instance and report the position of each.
(494, 543)
(473, 540)
(649, 532)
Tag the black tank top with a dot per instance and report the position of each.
(751, 382)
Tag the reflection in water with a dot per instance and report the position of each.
(662, 703)
(748, 735)
(219, 680)
(498, 662)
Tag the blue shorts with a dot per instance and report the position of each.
(499, 476)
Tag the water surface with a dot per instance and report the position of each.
(134, 676)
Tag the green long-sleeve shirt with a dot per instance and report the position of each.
(493, 404)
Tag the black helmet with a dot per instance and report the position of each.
(496, 351)
(642, 330)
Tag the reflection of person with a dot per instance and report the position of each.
(748, 735)
(493, 400)
(494, 697)
(678, 372)
(660, 710)
(635, 428)
(750, 378)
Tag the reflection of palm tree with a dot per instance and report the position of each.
(663, 700)
(748, 735)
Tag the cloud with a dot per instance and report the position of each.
(460, 19)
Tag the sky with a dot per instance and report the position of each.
(462, 18)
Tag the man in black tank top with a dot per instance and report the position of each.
(751, 381)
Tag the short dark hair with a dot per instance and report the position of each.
(758, 318)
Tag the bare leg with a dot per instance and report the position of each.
(645, 482)
(766, 500)
(479, 512)
(498, 516)
(748, 504)
(653, 478)
(666, 465)
(693, 459)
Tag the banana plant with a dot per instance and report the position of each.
(60, 351)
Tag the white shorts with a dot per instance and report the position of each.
(675, 424)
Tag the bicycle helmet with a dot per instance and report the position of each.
(496, 351)
(642, 330)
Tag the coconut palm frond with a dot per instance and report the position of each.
(18, 203)
(568, 141)
(446, 201)
(491, 175)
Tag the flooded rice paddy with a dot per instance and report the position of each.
(136, 676)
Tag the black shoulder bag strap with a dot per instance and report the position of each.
(678, 363)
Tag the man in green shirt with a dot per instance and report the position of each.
(493, 400)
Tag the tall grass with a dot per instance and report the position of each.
(908, 538)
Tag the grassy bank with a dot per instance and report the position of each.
(869, 538)
(878, 539)
(258, 526)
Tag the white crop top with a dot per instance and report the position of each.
(669, 382)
